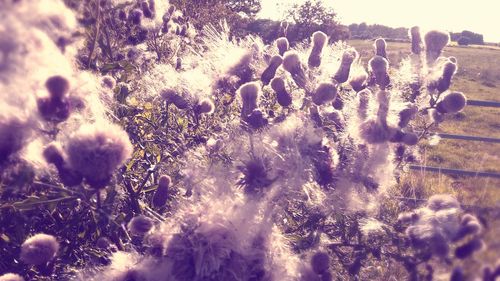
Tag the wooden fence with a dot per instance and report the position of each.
(464, 138)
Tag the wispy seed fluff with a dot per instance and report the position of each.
(358, 81)
(380, 47)
(96, 151)
(11, 277)
(452, 102)
(319, 40)
(342, 73)
(249, 93)
(270, 71)
(140, 225)
(282, 45)
(39, 249)
(205, 106)
(292, 64)
(282, 95)
(161, 195)
(435, 41)
(379, 67)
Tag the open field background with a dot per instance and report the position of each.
(478, 77)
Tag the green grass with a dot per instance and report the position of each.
(478, 77)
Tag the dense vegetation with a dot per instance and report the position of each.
(137, 144)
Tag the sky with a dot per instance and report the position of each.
(480, 16)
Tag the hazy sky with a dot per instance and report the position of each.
(481, 16)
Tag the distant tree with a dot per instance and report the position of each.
(463, 41)
(203, 12)
(313, 16)
(473, 38)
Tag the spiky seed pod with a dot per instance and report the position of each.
(53, 110)
(407, 218)
(178, 64)
(270, 71)
(406, 115)
(488, 274)
(53, 154)
(439, 245)
(161, 194)
(170, 96)
(11, 277)
(146, 11)
(416, 40)
(364, 99)
(105, 244)
(255, 175)
(338, 103)
(283, 45)
(436, 116)
(97, 151)
(358, 81)
(135, 16)
(380, 46)
(440, 202)
(171, 10)
(435, 41)
(398, 136)
(57, 86)
(469, 248)
(183, 30)
(443, 82)
(469, 225)
(140, 225)
(342, 73)
(410, 139)
(292, 64)
(449, 70)
(457, 274)
(122, 15)
(452, 102)
(282, 95)
(373, 131)
(108, 82)
(318, 41)
(205, 106)
(379, 67)
(320, 262)
(250, 94)
(324, 93)
(39, 249)
(256, 119)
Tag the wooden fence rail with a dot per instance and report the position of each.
(459, 172)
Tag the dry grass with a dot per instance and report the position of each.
(479, 78)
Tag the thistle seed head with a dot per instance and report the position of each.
(39, 249)
(324, 93)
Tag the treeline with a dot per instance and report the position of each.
(467, 37)
(270, 30)
(366, 31)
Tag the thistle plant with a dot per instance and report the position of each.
(255, 191)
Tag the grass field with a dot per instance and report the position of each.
(478, 77)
